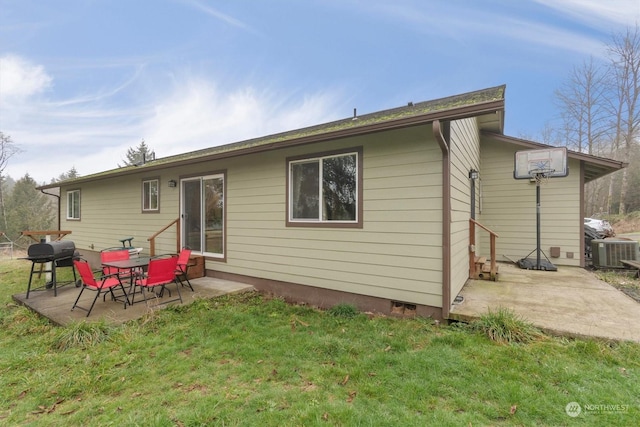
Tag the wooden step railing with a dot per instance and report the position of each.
(152, 239)
(473, 268)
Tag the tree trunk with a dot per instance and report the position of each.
(609, 195)
(3, 212)
(622, 210)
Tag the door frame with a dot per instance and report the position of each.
(203, 228)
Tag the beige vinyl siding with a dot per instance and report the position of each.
(509, 208)
(396, 255)
(111, 210)
(464, 156)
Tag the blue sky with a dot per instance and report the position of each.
(81, 81)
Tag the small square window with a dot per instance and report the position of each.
(150, 195)
(73, 204)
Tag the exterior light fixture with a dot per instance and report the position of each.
(474, 174)
(173, 183)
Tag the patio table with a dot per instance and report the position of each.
(131, 264)
(128, 264)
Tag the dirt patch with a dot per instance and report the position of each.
(624, 282)
(629, 224)
(632, 291)
(628, 227)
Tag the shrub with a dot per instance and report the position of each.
(506, 327)
(347, 311)
(82, 335)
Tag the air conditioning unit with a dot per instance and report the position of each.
(608, 253)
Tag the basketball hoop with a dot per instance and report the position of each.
(550, 162)
(539, 166)
(541, 175)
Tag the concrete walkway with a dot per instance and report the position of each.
(567, 302)
(58, 309)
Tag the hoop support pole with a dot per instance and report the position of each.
(538, 243)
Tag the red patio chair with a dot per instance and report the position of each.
(101, 285)
(183, 267)
(117, 254)
(113, 254)
(161, 272)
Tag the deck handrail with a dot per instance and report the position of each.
(152, 239)
(472, 249)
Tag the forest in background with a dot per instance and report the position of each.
(600, 105)
(23, 207)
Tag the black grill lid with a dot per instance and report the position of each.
(51, 250)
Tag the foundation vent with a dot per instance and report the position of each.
(403, 309)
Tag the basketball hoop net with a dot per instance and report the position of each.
(542, 175)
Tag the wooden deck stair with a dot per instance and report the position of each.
(482, 269)
(479, 267)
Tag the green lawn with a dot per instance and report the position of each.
(248, 360)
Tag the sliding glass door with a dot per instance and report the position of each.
(203, 222)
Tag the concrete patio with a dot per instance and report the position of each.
(568, 302)
(58, 308)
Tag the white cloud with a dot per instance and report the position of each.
(490, 27)
(538, 34)
(198, 114)
(217, 14)
(598, 13)
(92, 131)
(20, 79)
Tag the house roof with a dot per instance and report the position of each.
(594, 166)
(486, 104)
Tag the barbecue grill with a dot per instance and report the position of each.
(59, 253)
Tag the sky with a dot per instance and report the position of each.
(82, 81)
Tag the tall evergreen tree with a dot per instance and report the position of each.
(28, 209)
(70, 174)
(138, 155)
(7, 150)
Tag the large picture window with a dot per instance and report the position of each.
(325, 189)
(73, 204)
(150, 195)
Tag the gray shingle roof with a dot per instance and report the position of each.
(395, 117)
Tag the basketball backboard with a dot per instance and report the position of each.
(552, 161)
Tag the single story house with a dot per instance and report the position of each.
(372, 210)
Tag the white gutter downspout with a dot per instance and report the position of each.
(439, 135)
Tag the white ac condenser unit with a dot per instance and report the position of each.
(608, 253)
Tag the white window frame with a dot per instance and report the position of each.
(72, 197)
(201, 179)
(319, 221)
(146, 196)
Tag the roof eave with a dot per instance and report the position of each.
(596, 167)
(457, 113)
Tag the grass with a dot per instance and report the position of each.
(248, 360)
